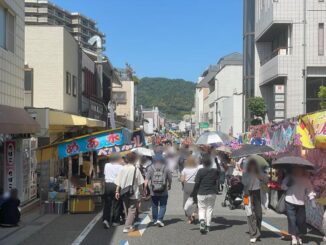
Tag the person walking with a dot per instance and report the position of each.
(112, 206)
(129, 186)
(205, 188)
(251, 180)
(9, 210)
(298, 189)
(159, 180)
(187, 179)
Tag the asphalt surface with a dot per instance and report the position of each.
(228, 227)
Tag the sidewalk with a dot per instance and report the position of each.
(32, 220)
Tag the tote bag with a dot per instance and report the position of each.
(280, 207)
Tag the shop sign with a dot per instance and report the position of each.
(204, 125)
(91, 143)
(279, 89)
(279, 97)
(137, 140)
(10, 168)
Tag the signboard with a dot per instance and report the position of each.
(92, 143)
(137, 140)
(10, 166)
(279, 98)
(279, 89)
(279, 106)
(203, 125)
(279, 114)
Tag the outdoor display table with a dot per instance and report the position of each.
(83, 203)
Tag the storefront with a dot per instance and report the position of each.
(79, 185)
(18, 152)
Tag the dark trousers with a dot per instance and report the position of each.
(296, 215)
(254, 221)
(111, 211)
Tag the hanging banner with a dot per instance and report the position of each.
(312, 129)
(137, 140)
(93, 142)
(10, 165)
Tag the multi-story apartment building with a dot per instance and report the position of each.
(219, 97)
(43, 12)
(17, 169)
(291, 61)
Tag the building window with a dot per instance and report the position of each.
(2, 27)
(28, 80)
(7, 30)
(68, 83)
(313, 86)
(321, 39)
(74, 86)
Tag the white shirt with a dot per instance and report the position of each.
(298, 191)
(189, 174)
(111, 171)
(125, 178)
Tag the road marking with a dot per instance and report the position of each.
(123, 242)
(141, 227)
(274, 229)
(87, 229)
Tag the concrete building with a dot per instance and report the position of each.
(43, 12)
(62, 96)
(123, 96)
(201, 93)
(17, 147)
(249, 53)
(154, 120)
(291, 61)
(224, 82)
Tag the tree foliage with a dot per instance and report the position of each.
(322, 96)
(175, 97)
(257, 108)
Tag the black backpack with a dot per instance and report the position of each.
(158, 180)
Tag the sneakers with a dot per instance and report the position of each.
(160, 223)
(154, 222)
(253, 240)
(106, 224)
(127, 230)
(202, 227)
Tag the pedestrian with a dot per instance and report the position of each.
(9, 210)
(187, 179)
(206, 182)
(129, 186)
(159, 180)
(112, 206)
(298, 189)
(251, 180)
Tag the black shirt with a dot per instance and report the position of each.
(206, 181)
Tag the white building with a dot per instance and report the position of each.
(17, 165)
(290, 60)
(226, 84)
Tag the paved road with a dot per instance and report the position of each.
(229, 227)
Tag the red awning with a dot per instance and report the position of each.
(15, 120)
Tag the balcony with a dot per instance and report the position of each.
(275, 67)
(30, 10)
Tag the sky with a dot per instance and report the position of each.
(165, 38)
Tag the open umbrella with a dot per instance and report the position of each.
(209, 138)
(143, 151)
(259, 160)
(224, 149)
(287, 162)
(247, 150)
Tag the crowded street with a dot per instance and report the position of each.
(229, 227)
(162, 122)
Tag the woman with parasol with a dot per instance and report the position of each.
(298, 189)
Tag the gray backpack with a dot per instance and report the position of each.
(158, 180)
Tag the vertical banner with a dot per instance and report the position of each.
(10, 166)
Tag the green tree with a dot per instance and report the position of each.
(322, 96)
(257, 108)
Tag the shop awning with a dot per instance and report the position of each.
(16, 121)
(59, 118)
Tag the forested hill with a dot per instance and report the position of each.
(175, 97)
